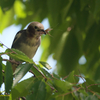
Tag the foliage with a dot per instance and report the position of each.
(75, 33)
(42, 86)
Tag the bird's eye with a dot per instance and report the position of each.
(35, 27)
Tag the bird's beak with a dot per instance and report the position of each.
(42, 31)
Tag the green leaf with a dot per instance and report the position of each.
(75, 96)
(6, 19)
(55, 5)
(92, 41)
(18, 55)
(46, 73)
(92, 97)
(97, 9)
(91, 85)
(1, 45)
(48, 92)
(66, 9)
(69, 57)
(19, 9)
(3, 67)
(62, 85)
(60, 45)
(8, 77)
(21, 72)
(84, 3)
(45, 64)
(37, 72)
(65, 97)
(83, 91)
(97, 74)
(70, 77)
(4, 97)
(22, 88)
(1, 76)
(56, 76)
(5, 5)
(38, 91)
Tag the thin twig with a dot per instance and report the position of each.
(39, 71)
(71, 91)
(94, 93)
(92, 85)
(65, 77)
(6, 53)
(7, 47)
(83, 80)
(11, 61)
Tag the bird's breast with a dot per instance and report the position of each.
(30, 47)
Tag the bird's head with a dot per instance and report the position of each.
(36, 28)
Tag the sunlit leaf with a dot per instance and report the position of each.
(36, 72)
(62, 85)
(19, 9)
(45, 64)
(6, 19)
(18, 55)
(21, 72)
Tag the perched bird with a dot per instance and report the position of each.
(28, 40)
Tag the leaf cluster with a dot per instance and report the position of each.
(43, 85)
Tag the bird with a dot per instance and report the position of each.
(28, 40)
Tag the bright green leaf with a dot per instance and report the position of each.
(18, 55)
(62, 85)
(45, 64)
(22, 88)
(8, 77)
(6, 19)
(46, 73)
(70, 77)
(21, 72)
(37, 72)
(19, 9)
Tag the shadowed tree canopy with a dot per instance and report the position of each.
(76, 31)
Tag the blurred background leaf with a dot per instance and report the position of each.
(75, 31)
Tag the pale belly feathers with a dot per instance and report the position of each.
(28, 50)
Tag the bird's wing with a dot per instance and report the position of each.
(17, 36)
